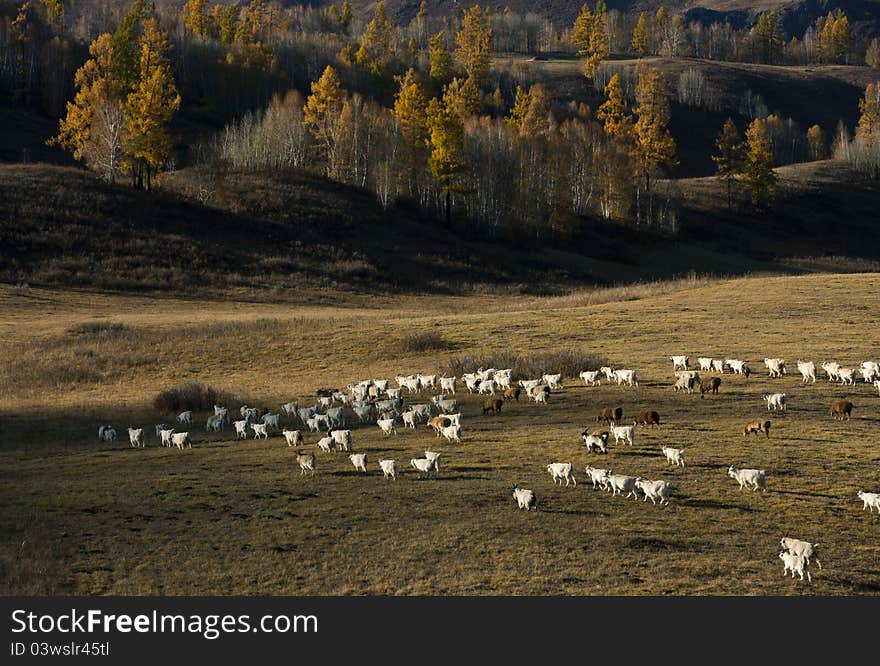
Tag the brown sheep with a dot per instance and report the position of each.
(512, 394)
(438, 423)
(492, 405)
(841, 409)
(648, 417)
(710, 386)
(610, 415)
(756, 426)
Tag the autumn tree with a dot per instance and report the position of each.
(474, 44)
(598, 50)
(872, 54)
(641, 42)
(655, 147)
(582, 31)
(411, 112)
(126, 46)
(149, 108)
(769, 34)
(537, 120)
(440, 60)
(225, 18)
(377, 43)
(196, 19)
(818, 143)
(728, 158)
(92, 128)
(322, 110)
(869, 108)
(520, 108)
(463, 97)
(447, 160)
(612, 112)
(758, 164)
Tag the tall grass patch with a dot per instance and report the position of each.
(568, 362)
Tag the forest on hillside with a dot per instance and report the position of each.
(425, 112)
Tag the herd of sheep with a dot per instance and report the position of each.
(375, 401)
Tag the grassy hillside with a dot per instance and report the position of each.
(235, 517)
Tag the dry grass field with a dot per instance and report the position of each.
(235, 517)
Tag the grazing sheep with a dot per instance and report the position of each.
(424, 467)
(342, 439)
(411, 419)
(590, 377)
(438, 423)
(611, 415)
(166, 436)
(560, 471)
(807, 370)
(364, 412)
(185, 417)
(870, 371)
(307, 462)
(738, 366)
(647, 417)
(655, 490)
(293, 437)
(525, 499)
(540, 394)
(434, 458)
(487, 386)
(756, 426)
(327, 444)
(359, 460)
(871, 501)
(595, 440)
(241, 428)
(387, 426)
(620, 482)
(289, 408)
(718, 365)
(776, 366)
(214, 423)
(673, 456)
(748, 477)
(450, 405)
(136, 437)
(336, 416)
(684, 383)
(107, 433)
(627, 377)
(795, 564)
(512, 393)
(447, 384)
(831, 370)
(625, 433)
(705, 363)
(841, 409)
(492, 405)
(160, 428)
(452, 433)
(304, 413)
(389, 468)
(608, 372)
(222, 412)
(847, 375)
(553, 381)
(181, 439)
(599, 477)
(710, 386)
(679, 362)
(775, 401)
(803, 548)
(260, 430)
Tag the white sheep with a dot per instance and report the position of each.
(627, 377)
(590, 377)
(679, 362)
(776, 366)
(553, 381)
(107, 433)
(705, 363)
(599, 477)
(525, 499)
(260, 430)
(434, 458)
(847, 375)
(452, 433)
(166, 436)
(181, 439)
(293, 437)
(870, 501)
(185, 417)
(327, 444)
(625, 433)
(655, 490)
(447, 384)
(359, 460)
(592, 440)
(831, 369)
(620, 482)
(387, 426)
(136, 437)
(424, 467)
(803, 548)
(748, 477)
(736, 365)
(342, 439)
(241, 428)
(775, 401)
(673, 456)
(389, 468)
(718, 365)
(560, 471)
(795, 564)
(807, 370)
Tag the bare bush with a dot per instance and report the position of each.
(695, 90)
(191, 395)
(423, 342)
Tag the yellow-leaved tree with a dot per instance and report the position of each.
(474, 44)
(92, 128)
(641, 42)
(149, 109)
(411, 112)
(758, 164)
(612, 112)
(655, 147)
(447, 161)
(377, 43)
(322, 110)
(195, 18)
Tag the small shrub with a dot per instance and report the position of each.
(190, 396)
(98, 330)
(423, 342)
(568, 362)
